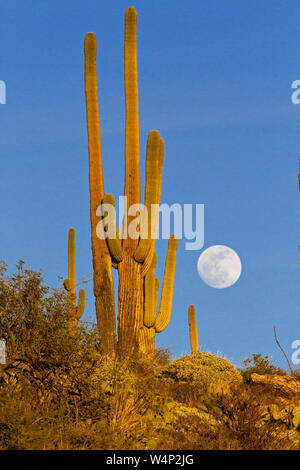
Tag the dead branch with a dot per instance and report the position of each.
(276, 339)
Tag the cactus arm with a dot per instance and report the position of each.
(132, 145)
(155, 212)
(81, 303)
(156, 294)
(113, 243)
(120, 231)
(67, 284)
(93, 120)
(165, 308)
(103, 281)
(150, 295)
(151, 194)
(147, 331)
(193, 330)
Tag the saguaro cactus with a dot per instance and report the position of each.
(193, 330)
(133, 254)
(154, 322)
(74, 313)
(103, 281)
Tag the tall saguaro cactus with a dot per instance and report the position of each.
(193, 330)
(74, 313)
(132, 255)
(103, 281)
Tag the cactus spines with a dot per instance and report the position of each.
(165, 308)
(193, 330)
(74, 313)
(113, 242)
(103, 281)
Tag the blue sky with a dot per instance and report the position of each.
(215, 80)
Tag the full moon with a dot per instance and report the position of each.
(219, 266)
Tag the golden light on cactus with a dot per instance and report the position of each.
(193, 330)
(155, 212)
(103, 281)
(152, 190)
(153, 322)
(150, 295)
(147, 340)
(132, 139)
(133, 257)
(74, 313)
(130, 304)
(165, 308)
(113, 242)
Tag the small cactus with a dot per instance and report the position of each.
(74, 313)
(193, 330)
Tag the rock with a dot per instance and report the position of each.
(296, 417)
(284, 384)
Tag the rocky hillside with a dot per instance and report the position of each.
(195, 402)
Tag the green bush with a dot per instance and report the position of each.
(206, 370)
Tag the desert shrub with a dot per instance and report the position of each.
(33, 318)
(61, 392)
(205, 371)
(163, 356)
(242, 422)
(259, 365)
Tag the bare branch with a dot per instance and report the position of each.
(292, 372)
